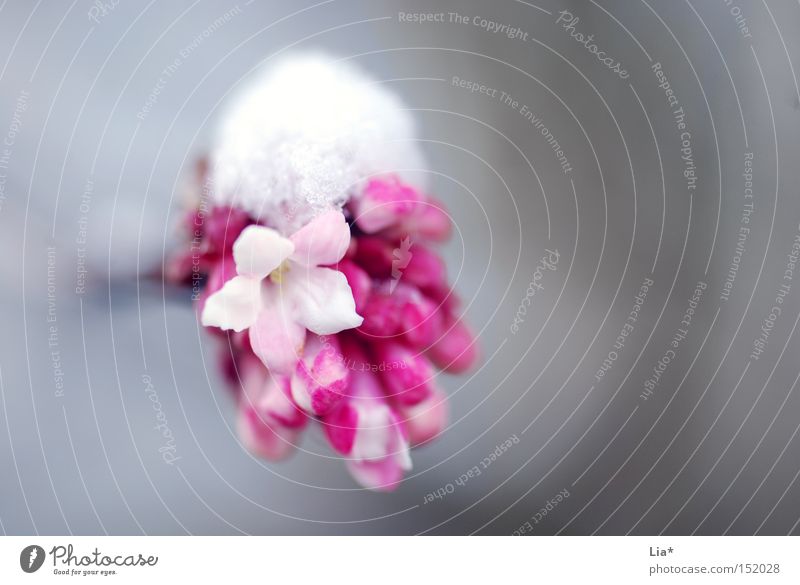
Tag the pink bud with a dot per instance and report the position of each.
(406, 375)
(269, 394)
(381, 475)
(384, 203)
(264, 438)
(431, 221)
(367, 429)
(420, 318)
(221, 227)
(374, 255)
(269, 423)
(456, 350)
(341, 423)
(381, 317)
(380, 453)
(425, 269)
(425, 420)
(340, 427)
(320, 378)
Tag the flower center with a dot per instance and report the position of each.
(276, 275)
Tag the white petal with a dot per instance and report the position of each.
(324, 301)
(235, 306)
(259, 250)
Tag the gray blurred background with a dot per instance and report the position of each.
(713, 449)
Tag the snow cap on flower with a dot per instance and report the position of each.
(306, 135)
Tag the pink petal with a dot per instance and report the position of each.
(322, 241)
(426, 420)
(269, 394)
(383, 476)
(348, 417)
(263, 438)
(235, 306)
(380, 450)
(222, 226)
(425, 269)
(456, 350)
(374, 255)
(259, 250)
(430, 221)
(278, 406)
(320, 378)
(324, 300)
(340, 427)
(374, 436)
(381, 316)
(367, 429)
(420, 319)
(406, 375)
(365, 386)
(276, 338)
(384, 203)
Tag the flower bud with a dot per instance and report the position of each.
(384, 202)
(407, 376)
(456, 350)
(269, 422)
(425, 420)
(320, 377)
(367, 429)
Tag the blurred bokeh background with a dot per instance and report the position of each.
(90, 168)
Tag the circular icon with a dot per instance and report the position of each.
(31, 558)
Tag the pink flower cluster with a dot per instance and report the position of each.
(343, 323)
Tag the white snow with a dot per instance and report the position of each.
(305, 135)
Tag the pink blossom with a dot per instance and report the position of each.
(348, 332)
(283, 289)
